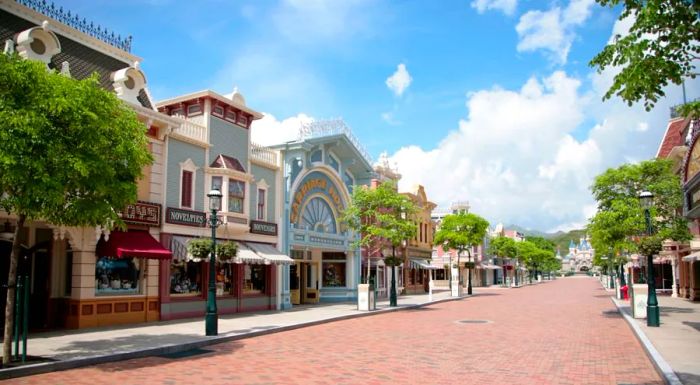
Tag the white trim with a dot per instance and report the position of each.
(188, 165)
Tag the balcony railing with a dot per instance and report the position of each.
(263, 154)
(322, 128)
(191, 130)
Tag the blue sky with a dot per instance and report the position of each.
(489, 101)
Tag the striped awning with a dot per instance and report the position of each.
(270, 254)
(178, 245)
(421, 264)
(246, 255)
(692, 257)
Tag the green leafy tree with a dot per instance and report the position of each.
(659, 48)
(503, 247)
(70, 154)
(461, 232)
(380, 216)
(619, 222)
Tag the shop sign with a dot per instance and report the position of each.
(313, 186)
(264, 228)
(143, 213)
(185, 217)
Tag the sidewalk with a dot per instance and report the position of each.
(74, 348)
(674, 346)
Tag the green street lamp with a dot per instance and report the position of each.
(647, 200)
(211, 318)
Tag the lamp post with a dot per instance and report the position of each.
(647, 200)
(622, 279)
(469, 278)
(211, 318)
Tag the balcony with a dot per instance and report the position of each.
(190, 131)
(263, 155)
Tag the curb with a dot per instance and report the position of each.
(52, 366)
(662, 367)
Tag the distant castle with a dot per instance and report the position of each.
(580, 257)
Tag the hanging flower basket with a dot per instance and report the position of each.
(392, 261)
(227, 250)
(199, 248)
(469, 265)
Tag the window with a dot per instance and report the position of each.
(316, 156)
(254, 279)
(236, 195)
(186, 278)
(218, 111)
(176, 112)
(186, 185)
(217, 183)
(334, 269)
(261, 204)
(225, 277)
(231, 116)
(242, 120)
(421, 232)
(194, 109)
(349, 180)
(69, 272)
(333, 162)
(117, 276)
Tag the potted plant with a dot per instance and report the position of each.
(199, 248)
(226, 250)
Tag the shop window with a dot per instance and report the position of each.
(225, 277)
(334, 270)
(117, 276)
(261, 204)
(236, 196)
(294, 275)
(69, 273)
(186, 278)
(254, 279)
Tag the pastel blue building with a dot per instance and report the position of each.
(320, 170)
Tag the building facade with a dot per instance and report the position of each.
(580, 256)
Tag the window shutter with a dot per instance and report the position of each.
(186, 189)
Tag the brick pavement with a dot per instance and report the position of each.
(561, 332)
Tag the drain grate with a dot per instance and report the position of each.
(474, 321)
(185, 354)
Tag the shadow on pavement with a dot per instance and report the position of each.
(694, 325)
(689, 378)
(611, 314)
(125, 344)
(485, 294)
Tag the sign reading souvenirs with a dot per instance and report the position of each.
(264, 228)
(143, 213)
(314, 185)
(185, 217)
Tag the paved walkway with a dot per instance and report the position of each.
(562, 332)
(677, 339)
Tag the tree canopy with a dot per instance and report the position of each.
(619, 222)
(461, 232)
(70, 154)
(503, 247)
(659, 49)
(379, 216)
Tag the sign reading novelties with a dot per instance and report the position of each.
(185, 217)
(264, 228)
(142, 213)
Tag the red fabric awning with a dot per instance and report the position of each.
(139, 244)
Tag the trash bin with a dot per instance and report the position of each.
(624, 290)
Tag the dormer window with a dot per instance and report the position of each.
(128, 83)
(38, 43)
(231, 116)
(242, 120)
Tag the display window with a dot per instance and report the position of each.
(254, 279)
(334, 274)
(186, 278)
(117, 276)
(225, 278)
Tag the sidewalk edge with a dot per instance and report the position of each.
(662, 367)
(53, 366)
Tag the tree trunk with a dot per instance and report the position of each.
(11, 287)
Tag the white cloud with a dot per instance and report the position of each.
(505, 6)
(268, 130)
(399, 81)
(552, 30)
(389, 118)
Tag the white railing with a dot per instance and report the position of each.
(322, 128)
(191, 130)
(263, 154)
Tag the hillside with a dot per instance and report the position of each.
(562, 239)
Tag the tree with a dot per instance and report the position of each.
(503, 247)
(70, 154)
(619, 222)
(543, 256)
(462, 232)
(380, 216)
(660, 47)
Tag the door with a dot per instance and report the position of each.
(294, 283)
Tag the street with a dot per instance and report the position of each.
(561, 332)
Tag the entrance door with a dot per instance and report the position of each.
(294, 283)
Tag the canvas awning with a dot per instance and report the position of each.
(270, 254)
(138, 244)
(692, 257)
(246, 255)
(489, 266)
(421, 264)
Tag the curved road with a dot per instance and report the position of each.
(561, 332)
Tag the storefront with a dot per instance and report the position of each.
(320, 171)
(689, 266)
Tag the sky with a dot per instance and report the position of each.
(487, 101)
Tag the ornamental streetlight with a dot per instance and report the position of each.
(469, 277)
(622, 279)
(211, 318)
(647, 200)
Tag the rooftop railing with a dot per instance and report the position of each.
(323, 128)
